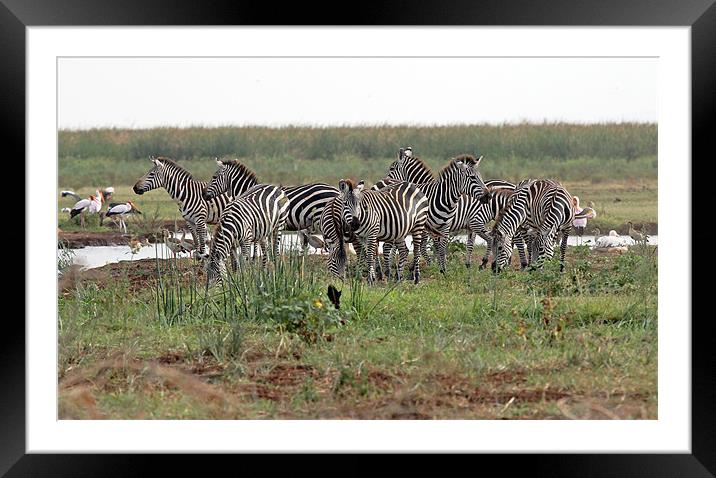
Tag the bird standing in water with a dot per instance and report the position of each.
(637, 235)
(581, 216)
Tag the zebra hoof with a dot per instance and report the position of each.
(483, 265)
(468, 265)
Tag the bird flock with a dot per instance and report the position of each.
(411, 201)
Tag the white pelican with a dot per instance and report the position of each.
(612, 243)
(120, 210)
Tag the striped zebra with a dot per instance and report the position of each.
(443, 192)
(473, 215)
(545, 207)
(388, 215)
(187, 192)
(306, 202)
(459, 177)
(336, 234)
(253, 218)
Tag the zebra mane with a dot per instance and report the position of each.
(421, 164)
(183, 173)
(351, 183)
(465, 158)
(242, 168)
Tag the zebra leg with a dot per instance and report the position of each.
(402, 259)
(360, 256)
(441, 250)
(418, 238)
(371, 249)
(520, 243)
(563, 250)
(424, 249)
(201, 236)
(387, 253)
(264, 252)
(468, 249)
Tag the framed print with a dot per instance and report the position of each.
(229, 184)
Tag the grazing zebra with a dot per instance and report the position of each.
(473, 215)
(306, 202)
(187, 192)
(545, 207)
(388, 215)
(254, 217)
(335, 235)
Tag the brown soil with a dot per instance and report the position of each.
(80, 239)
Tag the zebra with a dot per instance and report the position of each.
(187, 192)
(443, 192)
(252, 218)
(335, 236)
(306, 202)
(544, 208)
(388, 215)
(473, 215)
(460, 176)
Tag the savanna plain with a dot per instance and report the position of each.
(145, 339)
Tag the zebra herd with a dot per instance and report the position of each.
(409, 201)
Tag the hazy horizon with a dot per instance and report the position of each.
(144, 93)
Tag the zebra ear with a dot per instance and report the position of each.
(360, 186)
(218, 162)
(477, 162)
(152, 158)
(343, 185)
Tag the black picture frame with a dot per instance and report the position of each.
(700, 15)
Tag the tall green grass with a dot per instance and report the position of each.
(534, 141)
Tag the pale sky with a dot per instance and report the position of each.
(148, 92)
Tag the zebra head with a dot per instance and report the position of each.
(332, 229)
(155, 178)
(215, 270)
(408, 168)
(219, 182)
(351, 195)
(464, 172)
(501, 249)
(544, 245)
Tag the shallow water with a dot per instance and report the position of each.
(97, 256)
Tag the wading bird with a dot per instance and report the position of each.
(636, 235)
(92, 204)
(172, 243)
(120, 210)
(187, 245)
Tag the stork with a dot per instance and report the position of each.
(120, 210)
(92, 204)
